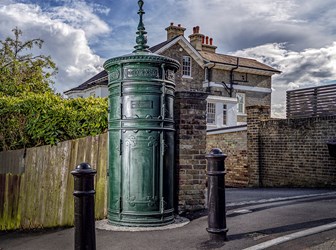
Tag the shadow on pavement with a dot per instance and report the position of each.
(283, 229)
(277, 204)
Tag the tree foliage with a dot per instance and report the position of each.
(31, 114)
(20, 70)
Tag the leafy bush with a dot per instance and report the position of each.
(39, 119)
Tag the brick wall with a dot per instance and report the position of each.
(295, 153)
(290, 152)
(190, 119)
(234, 145)
(195, 83)
(255, 114)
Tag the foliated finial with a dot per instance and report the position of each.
(141, 39)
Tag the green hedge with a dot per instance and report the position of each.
(40, 119)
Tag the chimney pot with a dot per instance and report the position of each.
(171, 24)
(197, 29)
(211, 41)
(179, 25)
(203, 40)
(207, 40)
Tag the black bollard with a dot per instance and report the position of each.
(216, 195)
(85, 234)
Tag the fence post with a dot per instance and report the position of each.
(216, 195)
(85, 235)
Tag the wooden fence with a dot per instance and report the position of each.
(312, 102)
(36, 185)
(12, 161)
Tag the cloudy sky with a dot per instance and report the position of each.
(297, 37)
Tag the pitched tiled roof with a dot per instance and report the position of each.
(232, 60)
(160, 45)
(97, 80)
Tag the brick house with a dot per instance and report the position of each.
(232, 83)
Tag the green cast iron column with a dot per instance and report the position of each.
(141, 135)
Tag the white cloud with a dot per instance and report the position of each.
(66, 30)
(79, 15)
(243, 23)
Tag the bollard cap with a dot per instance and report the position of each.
(83, 166)
(214, 153)
(84, 169)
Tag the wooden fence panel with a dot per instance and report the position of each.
(67, 199)
(27, 197)
(312, 102)
(9, 200)
(101, 178)
(12, 161)
(42, 196)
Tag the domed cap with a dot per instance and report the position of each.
(215, 152)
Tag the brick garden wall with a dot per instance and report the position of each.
(234, 145)
(290, 152)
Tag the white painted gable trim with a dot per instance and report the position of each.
(186, 46)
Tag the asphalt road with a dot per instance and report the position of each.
(254, 216)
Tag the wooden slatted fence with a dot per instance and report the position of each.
(312, 102)
(41, 196)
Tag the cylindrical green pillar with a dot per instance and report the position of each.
(141, 136)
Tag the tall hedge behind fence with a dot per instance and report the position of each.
(36, 185)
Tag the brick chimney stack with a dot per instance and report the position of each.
(173, 31)
(208, 46)
(196, 39)
(201, 42)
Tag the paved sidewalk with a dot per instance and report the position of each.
(331, 244)
(248, 226)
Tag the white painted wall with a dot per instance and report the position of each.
(97, 91)
(231, 104)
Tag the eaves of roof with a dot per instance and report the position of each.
(233, 60)
(98, 80)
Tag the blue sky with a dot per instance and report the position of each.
(295, 36)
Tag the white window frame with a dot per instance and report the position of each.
(225, 109)
(211, 112)
(186, 66)
(241, 99)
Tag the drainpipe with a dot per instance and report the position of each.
(209, 66)
(231, 76)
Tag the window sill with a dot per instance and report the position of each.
(241, 114)
(187, 77)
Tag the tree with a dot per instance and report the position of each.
(20, 70)
(31, 114)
